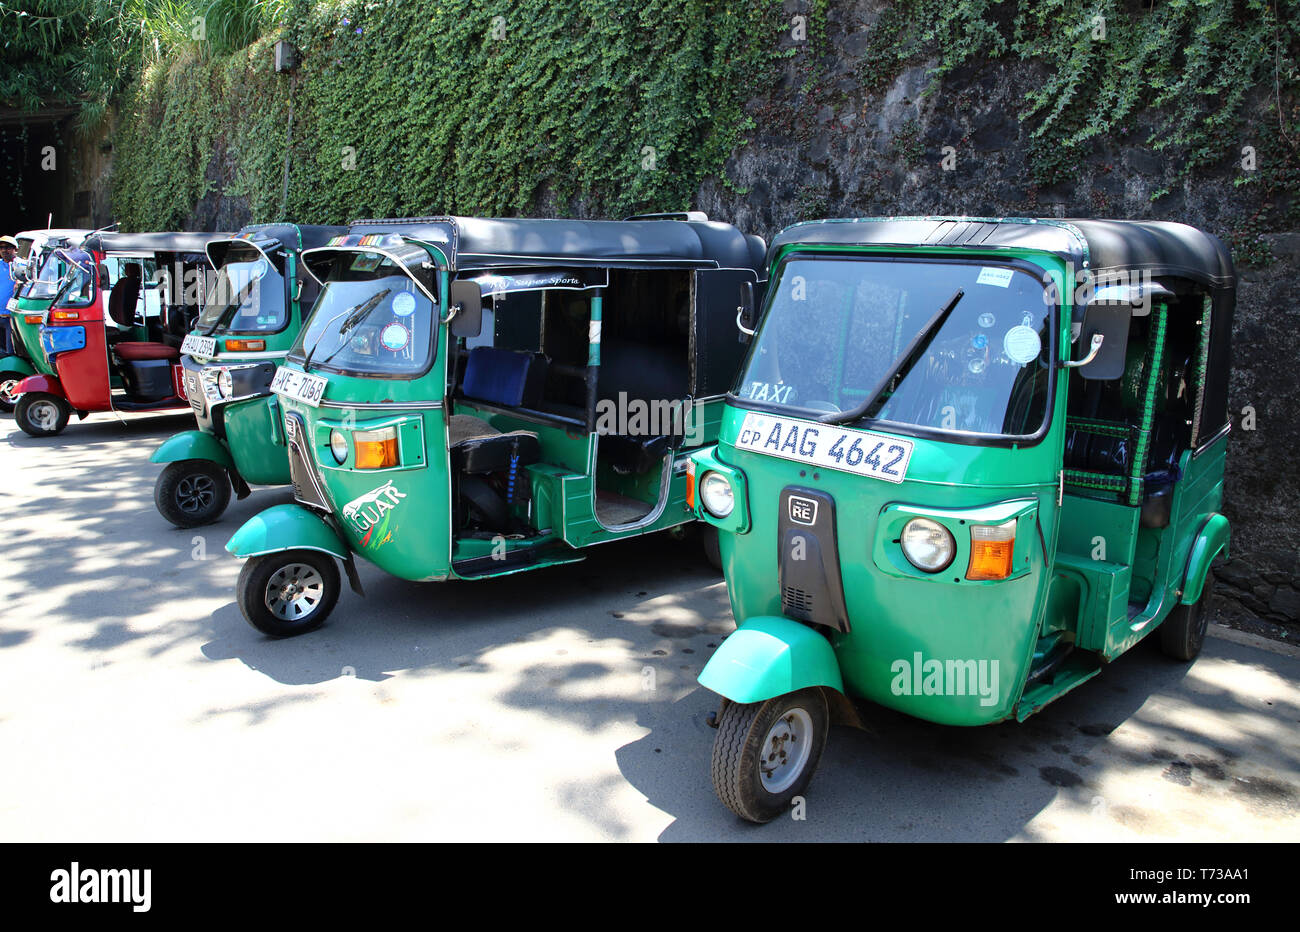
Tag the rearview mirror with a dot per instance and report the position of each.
(1103, 339)
(466, 309)
(745, 312)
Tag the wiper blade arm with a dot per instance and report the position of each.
(904, 361)
(355, 316)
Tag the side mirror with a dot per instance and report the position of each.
(466, 309)
(745, 312)
(1104, 340)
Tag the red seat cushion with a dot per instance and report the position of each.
(139, 352)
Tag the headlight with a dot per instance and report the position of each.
(225, 384)
(927, 545)
(339, 446)
(716, 495)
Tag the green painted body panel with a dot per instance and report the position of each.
(255, 441)
(768, 657)
(27, 337)
(285, 527)
(192, 445)
(1212, 541)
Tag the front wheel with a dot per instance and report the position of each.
(192, 492)
(8, 382)
(288, 593)
(42, 415)
(712, 549)
(765, 753)
(1182, 634)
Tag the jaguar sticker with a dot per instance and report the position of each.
(371, 511)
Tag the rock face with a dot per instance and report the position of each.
(863, 140)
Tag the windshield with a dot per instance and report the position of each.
(53, 268)
(835, 327)
(370, 318)
(247, 296)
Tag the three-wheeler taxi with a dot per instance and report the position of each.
(259, 299)
(109, 339)
(38, 272)
(477, 397)
(965, 465)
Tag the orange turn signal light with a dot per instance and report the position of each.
(375, 449)
(690, 485)
(32, 319)
(245, 346)
(991, 548)
(63, 315)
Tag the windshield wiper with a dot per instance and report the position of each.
(904, 362)
(355, 316)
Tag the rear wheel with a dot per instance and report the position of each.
(192, 492)
(765, 753)
(288, 593)
(8, 382)
(1182, 634)
(41, 415)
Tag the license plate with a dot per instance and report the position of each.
(826, 445)
(198, 346)
(300, 386)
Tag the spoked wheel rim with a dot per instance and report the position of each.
(7, 387)
(294, 592)
(785, 751)
(196, 493)
(43, 415)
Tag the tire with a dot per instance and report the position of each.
(749, 734)
(261, 597)
(189, 493)
(41, 415)
(712, 549)
(1182, 634)
(8, 379)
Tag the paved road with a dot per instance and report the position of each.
(562, 704)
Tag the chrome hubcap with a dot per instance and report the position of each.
(195, 493)
(44, 415)
(6, 391)
(785, 751)
(295, 591)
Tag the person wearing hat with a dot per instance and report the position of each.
(8, 251)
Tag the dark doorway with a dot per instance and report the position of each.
(29, 195)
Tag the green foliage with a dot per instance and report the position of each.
(469, 107)
(1189, 68)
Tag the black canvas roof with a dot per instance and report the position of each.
(150, 242)
(476, 242)
(1158, 247)
(272, 236)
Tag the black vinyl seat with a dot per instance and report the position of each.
(500, 377)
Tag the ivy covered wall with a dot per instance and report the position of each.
(597, 108)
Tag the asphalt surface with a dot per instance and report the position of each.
(561, 704)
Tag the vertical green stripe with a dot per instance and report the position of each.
(593, 346)
(1155, 366)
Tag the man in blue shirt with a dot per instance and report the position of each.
(8, 251)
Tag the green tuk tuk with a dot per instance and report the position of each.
(966, 464)
(257, 304)
(478, 397)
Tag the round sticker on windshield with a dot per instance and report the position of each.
(394, 337)
(987, 320)
(1021, 344)
(404, 304)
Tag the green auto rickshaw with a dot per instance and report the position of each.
(966, 464)
(478, 397)
(257, 303)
